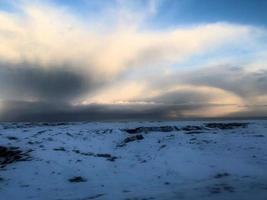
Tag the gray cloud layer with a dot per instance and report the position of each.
(235, 79)
(43, 111)
(239, 80)
(54, 89)
(56, 83)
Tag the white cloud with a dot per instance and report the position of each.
(49, 36)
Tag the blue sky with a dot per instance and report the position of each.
(185, 12)
(203, 11)
(137, 59)
(172, 13)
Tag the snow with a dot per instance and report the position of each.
(212, 163)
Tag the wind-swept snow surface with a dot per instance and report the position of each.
(134, 160)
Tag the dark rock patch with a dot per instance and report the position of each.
(95, 196)
(220, 188)
(136, 198)
(221, 175)
(192, 128)
(60, 149)
(54, 124)
(199, 142)
(103, 155)
(77, 179)
(225, 126)
(134, 130)
(112, 159)
(12, 138)
(131, 139)
(105, 131)
(193, 132)
(215, 190)
(83, 153)
(151, 129)
(39, 133)
(68, 134)
(162, 146)
(10, 155)
(260, 136)
(193, 139)
(109, 157)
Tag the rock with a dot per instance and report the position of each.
(193, 132)
(260, 136)
(10, 155)
(162, 146)
(77, 179)
(219, 188)
(192, 128)
(95, 196)
(225, 126)
(134, 131)
(60, 149)
(131, 139)
(221, 175)
(109, 157)
(151, 129)
(12, 138)
(103, 155)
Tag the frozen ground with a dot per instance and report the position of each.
(160, 160)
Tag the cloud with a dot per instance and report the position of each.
(225, 90)
(35, 83)
(42, 34)
(113, 66)
(119, 92)
(207, 101)
(42, 111)
(245, 83)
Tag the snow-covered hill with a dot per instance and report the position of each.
(134, 160)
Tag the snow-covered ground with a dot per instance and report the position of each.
(160, 160)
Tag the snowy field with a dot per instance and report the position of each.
(134, 160)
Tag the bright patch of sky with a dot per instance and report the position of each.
(181, 12)
(184, 12)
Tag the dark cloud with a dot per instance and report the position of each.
(53, 89)
(45, 111)
(183, 97)
(15, 111)
(250, 112)
(42, 111)
(56, 83)
(237, 80)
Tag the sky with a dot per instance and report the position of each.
(63, 60)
